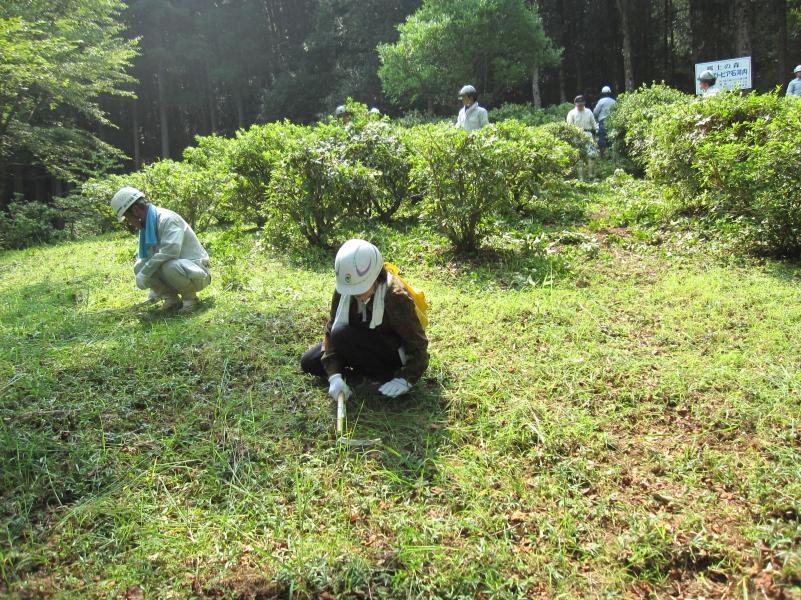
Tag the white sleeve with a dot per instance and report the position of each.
(484, 118)
(171, 237)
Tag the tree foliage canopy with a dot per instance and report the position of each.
(56, 60)
(495, 44)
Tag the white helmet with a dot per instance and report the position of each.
(123, 200)
(357, 265)
(468, 90)
(797, 69)
(707, 75)
(606, 90)
(374, 111)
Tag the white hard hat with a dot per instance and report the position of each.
(340, 110)
(707, 75)
(357, 265)
(797, 69)
(374, 111)
(123, 200)
(468, 90)
(606, 90)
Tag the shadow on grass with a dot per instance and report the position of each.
(412, 428)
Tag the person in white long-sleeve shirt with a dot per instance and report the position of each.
(582, 117)
(171, 262)
(471, 116)
(794, 87)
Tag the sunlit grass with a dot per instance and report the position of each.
(610, 409)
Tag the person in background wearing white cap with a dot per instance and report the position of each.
(794, 87)
(171, 261)
(706, 82)
(373, 329)
(471, 116)
(602, 109)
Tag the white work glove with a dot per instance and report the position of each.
(395, 387)
(141, 281)
(337, 385)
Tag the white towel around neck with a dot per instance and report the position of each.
(343, 310)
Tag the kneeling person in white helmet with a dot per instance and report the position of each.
(374, 329)
(171, 261)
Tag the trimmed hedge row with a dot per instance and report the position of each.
(731, 159)
(315, 183)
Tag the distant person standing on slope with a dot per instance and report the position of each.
(471, 116)
(794, 87)
(601, 112)
(583, 118)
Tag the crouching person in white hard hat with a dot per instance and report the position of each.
(374, 329)
(171, 262)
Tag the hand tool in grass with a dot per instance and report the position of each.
(344, 440)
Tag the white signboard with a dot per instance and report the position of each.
(732, 73)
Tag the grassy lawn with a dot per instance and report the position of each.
(611, 411)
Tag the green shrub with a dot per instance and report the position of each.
(530, 114)
(251, 159)
(385, 150)
(180, 187)
(730, 159)
(315, 190)
(415, 118)
(539, 159)
(96, 194)
(571, 135)
(469, 180)
(25, 224)
(629, 124)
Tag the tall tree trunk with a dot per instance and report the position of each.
(212, 100)
(562, 86)
(240, 112)
(742, 23)
(536, 97)
(628, 66)
(137, 151)
(164, 124)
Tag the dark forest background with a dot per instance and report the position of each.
(214, 66)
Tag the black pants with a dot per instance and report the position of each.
(363, 350)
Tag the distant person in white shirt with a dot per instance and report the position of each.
(601, 111)
(706, 81)
(794, 87)
(471, 116)
(582, 117)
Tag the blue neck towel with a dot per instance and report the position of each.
(147, 236)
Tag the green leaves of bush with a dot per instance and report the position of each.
(319, 184)
(469, 180)
(732, 159)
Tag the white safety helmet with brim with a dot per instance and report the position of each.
(707, 75)
(468, 90)
(606, 90)
(124, 199)
(357, 265)
(797, 69)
